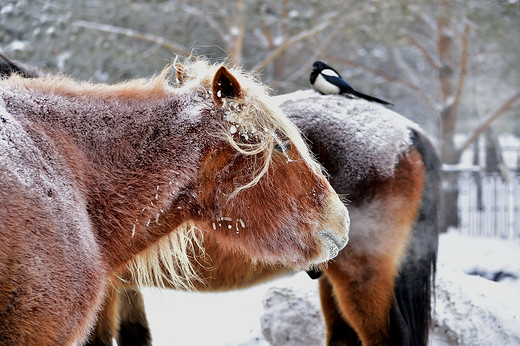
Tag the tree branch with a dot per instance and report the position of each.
(424, 52)
(208, 19)
(377, 72)
(485, 124)
(305, 68)
(168, 45)
(236, 57)
(293, 40)
(463, 71)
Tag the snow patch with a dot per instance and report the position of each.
(292, 317)
(471, 310)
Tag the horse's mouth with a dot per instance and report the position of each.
(334, 229)
(334, 242)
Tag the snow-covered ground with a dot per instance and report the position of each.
(470, 310)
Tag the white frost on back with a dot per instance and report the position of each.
(42, 175)
(366, 137)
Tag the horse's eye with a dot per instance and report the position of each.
(283, 146)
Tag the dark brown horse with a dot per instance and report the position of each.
(92, 175)
(8, 68)
(377, 291)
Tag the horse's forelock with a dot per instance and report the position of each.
(254, 123)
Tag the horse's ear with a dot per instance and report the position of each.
(180, 74)
(225, 85)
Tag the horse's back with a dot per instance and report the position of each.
(49, 266)
(354, 140)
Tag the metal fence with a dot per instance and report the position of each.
(489, 205)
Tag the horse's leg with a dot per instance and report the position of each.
(363, 287)
(123, 317)
(363, 275)
(107, 324)
(134, 329)
(338, 332)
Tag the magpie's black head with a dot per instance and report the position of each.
(319, 66)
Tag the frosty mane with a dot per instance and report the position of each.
(254, 124)
(138, 89)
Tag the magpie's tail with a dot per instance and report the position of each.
(372, 98)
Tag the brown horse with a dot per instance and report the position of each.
(377, 291)
(92, 175)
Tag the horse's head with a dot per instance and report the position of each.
(257, 187)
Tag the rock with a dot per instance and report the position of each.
(292, 317)
(471, 310)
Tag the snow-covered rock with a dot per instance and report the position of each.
(471, 310)
(292, 317)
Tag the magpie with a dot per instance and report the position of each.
(326, 80)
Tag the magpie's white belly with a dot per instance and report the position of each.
(324, 87)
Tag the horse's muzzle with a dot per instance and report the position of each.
(335, 228)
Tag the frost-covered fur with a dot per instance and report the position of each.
(93, 175)
(363, 137)
(255, 123)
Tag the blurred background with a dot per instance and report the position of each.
(452, 66)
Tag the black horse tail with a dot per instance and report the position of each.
(415, 283)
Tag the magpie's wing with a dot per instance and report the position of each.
(343, 86)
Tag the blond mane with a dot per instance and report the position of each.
(170, 260)
(138, 89)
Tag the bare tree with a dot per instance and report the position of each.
(423, 54)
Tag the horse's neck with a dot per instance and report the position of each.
(105, 130)
(117, 150)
